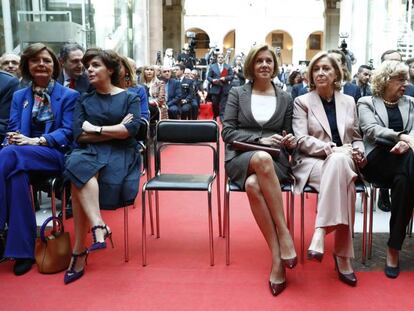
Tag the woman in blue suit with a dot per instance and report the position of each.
(39, 132)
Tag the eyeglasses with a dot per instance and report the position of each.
(399, 79)
(166, 71)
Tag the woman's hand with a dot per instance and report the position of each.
(289, 140)
(88, 127)
(359, 157)
(274, 140)
(21, 140)
(127, 119)
(400, 147)
(346, 148)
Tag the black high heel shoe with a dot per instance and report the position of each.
(276, 289)
(314, 255)
(71, 275)
(348, 278)
(290, 263)
(100, 245)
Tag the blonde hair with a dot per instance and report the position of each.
(250, 58)
(335, 65)
(387, 70)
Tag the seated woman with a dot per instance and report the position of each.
(329, 150)
(260, 112)
(387, 122)
(156, 94)
(128, 81)
(104, 168)
(40, 131)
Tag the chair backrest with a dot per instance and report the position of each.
(187, 132)
(142, 137)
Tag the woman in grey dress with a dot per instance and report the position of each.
(104, 168)
(260, 112)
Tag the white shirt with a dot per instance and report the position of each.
(263, 107)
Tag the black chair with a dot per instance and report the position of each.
(54, 185)
(143, 140)
(183, 133)
(360, 187)
(286, 187)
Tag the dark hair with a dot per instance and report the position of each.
(346, 75)
(67, 48)
(365, 67)
(293, 76)
(31, 51)
(249, 61)
(110, 59)
(181, 66)
(409, 61)
(388, 52)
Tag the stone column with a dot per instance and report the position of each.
(155, 29)
(358, 39)
(141, 33)
(331, 28)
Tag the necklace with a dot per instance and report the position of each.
(390, 104)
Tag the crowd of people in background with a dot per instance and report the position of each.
(77, 114)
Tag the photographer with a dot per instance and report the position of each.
(187, 92)
(187, 58)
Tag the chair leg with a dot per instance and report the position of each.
(53, 201)
(302, 227)
(126, 242)
(219, 206)
(371, 221)
(32, 197)
(227, 222)
(364, 227)
(287, 200)
(150, 212)
(157, 213)
(144, 233)
(210, 227)
(292, 214)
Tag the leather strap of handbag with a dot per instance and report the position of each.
(243, 146)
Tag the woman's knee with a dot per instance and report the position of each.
(262, 162)
(252, 185)
(8, 158)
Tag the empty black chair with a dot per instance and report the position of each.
(187, 133)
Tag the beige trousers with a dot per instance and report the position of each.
(334, 179)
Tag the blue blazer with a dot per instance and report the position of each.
(352, 90)
(58, 132)
(214, 73)
(298, 89)
(142, 94)
(174, 92)
(409, 90)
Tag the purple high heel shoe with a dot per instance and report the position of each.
(71, 275)
(100, 245)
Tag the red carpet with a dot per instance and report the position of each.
(179, 277)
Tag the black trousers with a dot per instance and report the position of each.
(396, 172)
(219, 104)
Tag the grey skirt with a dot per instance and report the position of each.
(237, 168)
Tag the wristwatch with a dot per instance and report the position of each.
(98, 130)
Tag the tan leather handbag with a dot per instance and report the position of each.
(53, 252)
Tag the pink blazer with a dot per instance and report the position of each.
(311, 127)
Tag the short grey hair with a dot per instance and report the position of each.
(69, 47)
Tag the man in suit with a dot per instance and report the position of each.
(300, 88)
(73, 74)
(8, 85)
(220, 76)
(172, 93)
(362, 80)
(187, 91)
